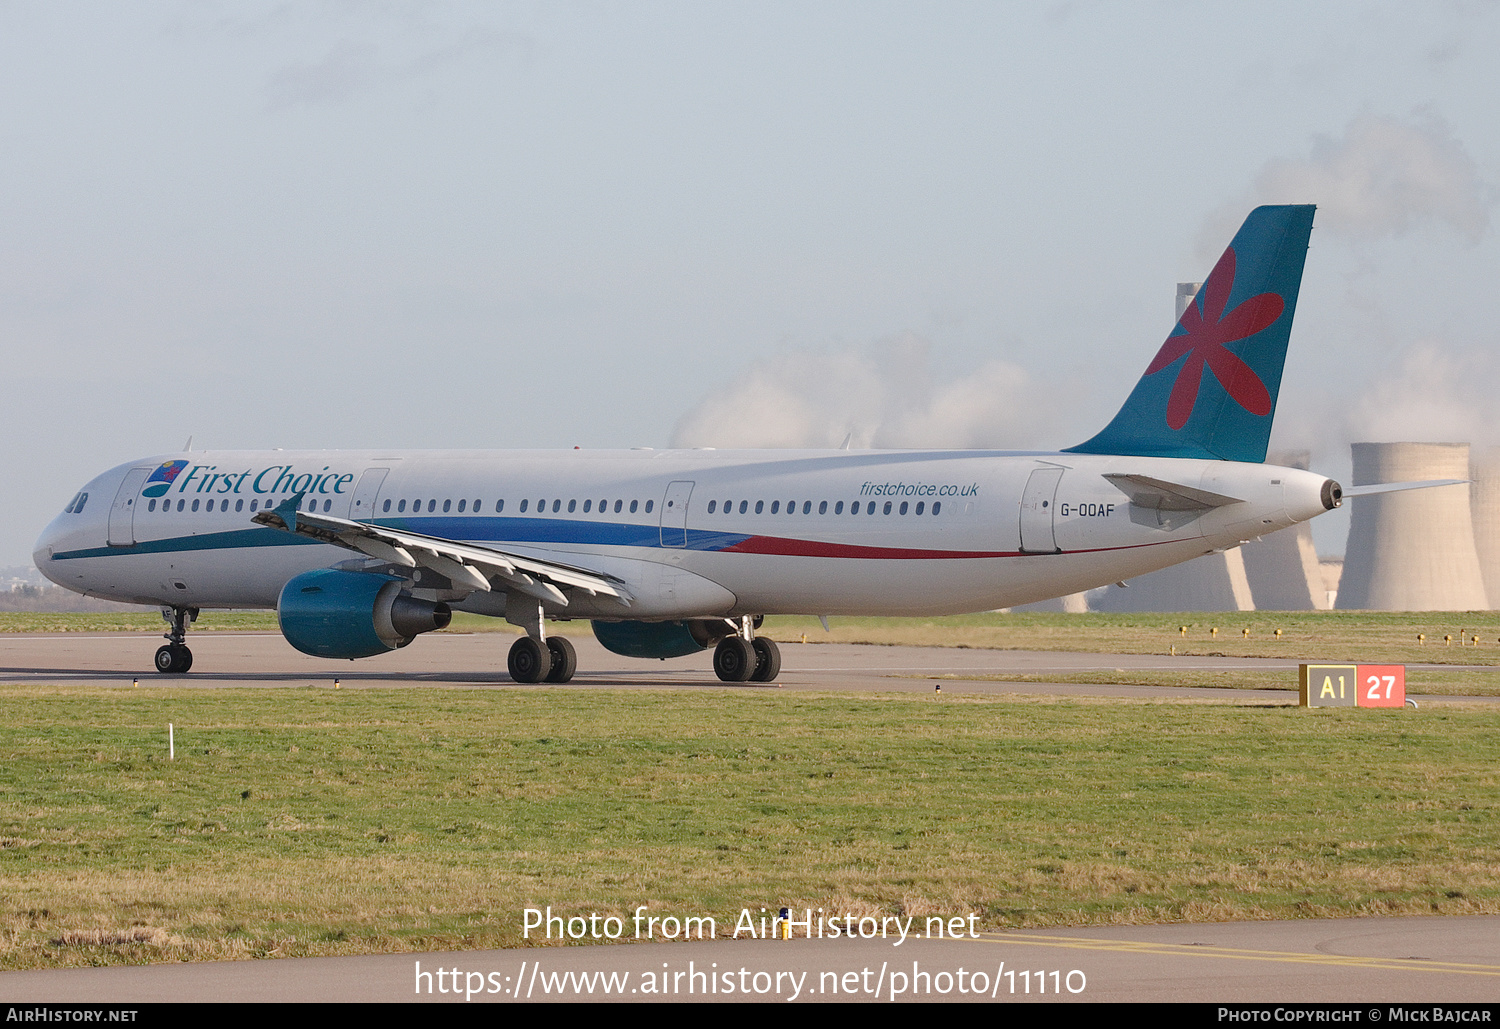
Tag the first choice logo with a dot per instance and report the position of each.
(279, 478)
(1086, 510)
(161, 480)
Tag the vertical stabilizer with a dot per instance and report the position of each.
(1211, 390)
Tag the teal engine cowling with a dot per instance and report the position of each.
(661, 639)
(333, 613)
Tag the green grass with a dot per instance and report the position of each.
(1364, 636)
(327, 822)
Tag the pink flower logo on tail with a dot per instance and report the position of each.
(1208, 329)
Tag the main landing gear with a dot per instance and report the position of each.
(175, 658)
(537, 657)
(745, 657)
(552, 659)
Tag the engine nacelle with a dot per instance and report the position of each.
(661, 639)
(332, 613)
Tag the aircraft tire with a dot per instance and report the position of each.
(734, 659)
(564, 659)
(767, 660)
(173, 659)
(530, 660)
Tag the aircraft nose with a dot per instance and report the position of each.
(41, 553)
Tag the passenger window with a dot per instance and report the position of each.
(807, 507)
(823, 507)
(921, 504)
(838, 508)
(871, 509)
(386, 508)
(618, 503)
(648, 506)
(572, 506)
(327, 504)
(744, 506)
(556, 506)
(523, 506)
(500, 506)
(432, 506)
(476, 507)
(447, 505)
(400, 508)
(180, 503)
(195, 505)
(887, 507)
(256, 503)
(903, 507)
(937, 505)
(587, 504)
(461, 504)
(633, 505)
(239, 505)
(776, 507)
(711, 505)
(759, 506)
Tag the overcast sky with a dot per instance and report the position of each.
(644, 224)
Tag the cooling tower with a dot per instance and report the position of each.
(1282, 568)
(1072, 604)
(1484, 509)
(1413, 550)
(1214, 582)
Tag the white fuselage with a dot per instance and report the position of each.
(693, 533)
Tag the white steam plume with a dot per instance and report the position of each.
(1432, 394)
(1380, 179)
(880, 396)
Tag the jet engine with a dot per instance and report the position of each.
(661, 639)
(338, 614)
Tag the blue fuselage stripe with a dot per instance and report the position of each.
(487, 529)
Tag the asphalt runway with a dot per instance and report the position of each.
(1361, 961)
(459, 660)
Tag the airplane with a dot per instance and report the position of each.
(671, 552)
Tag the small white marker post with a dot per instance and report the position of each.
(171, 744)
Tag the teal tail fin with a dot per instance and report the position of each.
(1211, 390)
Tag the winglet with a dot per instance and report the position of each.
(287, 510)
(1211, 390)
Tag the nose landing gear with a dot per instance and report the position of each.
(175, 658)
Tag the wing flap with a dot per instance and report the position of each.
(465, 564)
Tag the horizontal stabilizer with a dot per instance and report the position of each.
(466, 565)
(1396, 487)
(1160, 495)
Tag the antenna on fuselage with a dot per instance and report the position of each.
(188, 445)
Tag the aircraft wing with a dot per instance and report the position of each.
(464, 564)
